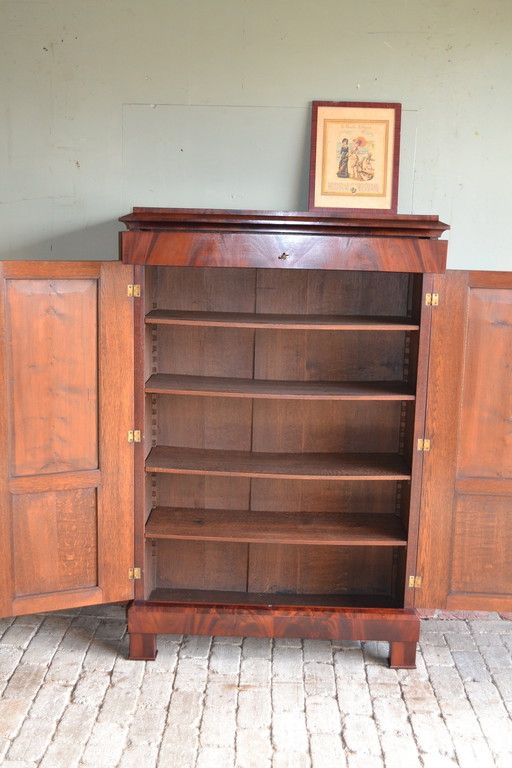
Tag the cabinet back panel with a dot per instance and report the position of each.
(340, 293)
(318, 496)
(330, 355)
(205, 351)
(205, 289)
(203, 491)
(305, 426)
(316, 570)
(204, 422)
(201, 565)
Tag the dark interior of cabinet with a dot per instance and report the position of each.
(280, 406)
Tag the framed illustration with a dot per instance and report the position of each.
(354, 156)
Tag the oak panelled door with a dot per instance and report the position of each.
(66, 479)
(465, 552)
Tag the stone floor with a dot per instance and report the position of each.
(70, 699)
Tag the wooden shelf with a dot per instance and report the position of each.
(271, 599)
(276, 527)
(174, 384)
(279, 322)
(306, 466)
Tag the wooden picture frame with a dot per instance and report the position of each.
(354, 156)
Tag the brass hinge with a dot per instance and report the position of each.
(134, 436)
(431, 299)
(134, 573)
(423, 444)
(415, 582)
(133, 291)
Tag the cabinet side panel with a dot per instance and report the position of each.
(53, 375)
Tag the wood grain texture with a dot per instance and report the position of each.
(465, 556)
(68, 519)
(234, 249)
(446, 365)
(278, 322)
(307, 466)
(53, 374)
(175, 384)
(55, 541)
(486, 445)
(271, 527)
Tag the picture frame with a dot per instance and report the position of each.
(355, 152)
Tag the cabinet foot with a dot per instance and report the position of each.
(402, 655)
(142, 647)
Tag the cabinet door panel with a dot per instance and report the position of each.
(66, 465)
(465, 557)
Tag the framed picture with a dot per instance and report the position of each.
(354, 156)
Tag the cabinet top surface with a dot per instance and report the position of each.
(292, 222)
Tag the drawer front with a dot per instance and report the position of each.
(239, 249)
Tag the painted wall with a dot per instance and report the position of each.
(108, 104)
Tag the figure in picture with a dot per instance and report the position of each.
(343, 165)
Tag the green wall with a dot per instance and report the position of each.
(108, 104)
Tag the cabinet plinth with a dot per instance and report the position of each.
(280, 404)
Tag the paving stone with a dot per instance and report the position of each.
(496, 657)
(10, 657)
(319, 679)
(51, 701)
(287, 663)
(25, 681)
(471, 666)
(196, 646)
(225, 660)
(257, 648)
(318, 650)
(179, 747)
(289, 733)
(12, 714)
(255, 672)
(214, 757)
(91, 688)
(391, 716)
(360, 735)
(473, 753)
(32, 740)
(291, 760)
(253, 748)
(254, 708)
(431, 735)
(327, 751)
(186, 707)
(322, 715)
(400, 750)
(288, 697)
(485, 700)
(105, 745)
(354, 697)
(363, 761)
(139, 756)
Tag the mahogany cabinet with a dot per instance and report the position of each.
(280, 390)
(288, 374)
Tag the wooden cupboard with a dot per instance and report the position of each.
(281, 379)
(286, 373)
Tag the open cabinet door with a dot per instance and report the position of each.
(465, 552)
(66, 406)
